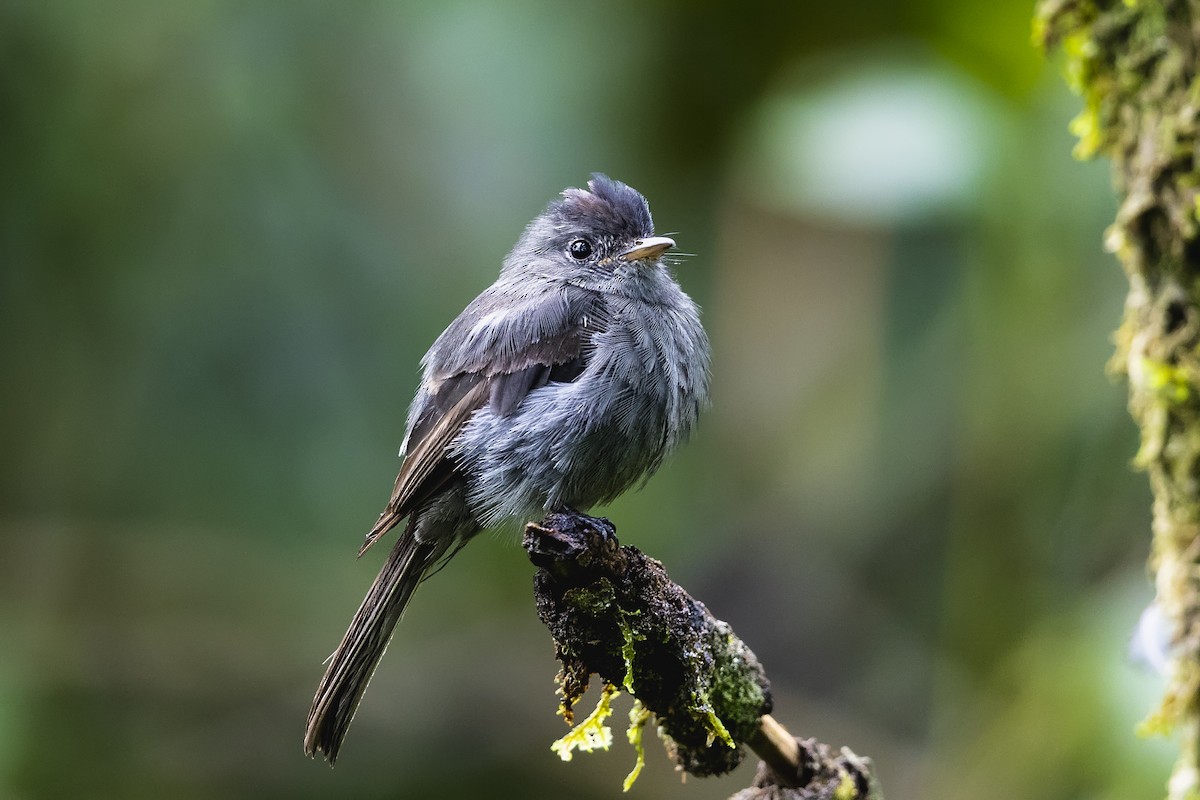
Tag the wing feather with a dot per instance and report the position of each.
(500, 380)
(425, 467)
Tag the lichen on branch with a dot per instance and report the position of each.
(614, 612)
(1134, 64)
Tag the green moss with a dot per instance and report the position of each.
(847, 789)
(1080, 70)
(616, 613)
(738, 698)
(1133, 64)
(1168, 383)
(629, 639)
(591, 600)
(639, 715)
(1156, 724)
(702, 709)
(1086, 126)
(592, 733)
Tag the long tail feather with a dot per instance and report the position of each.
(387, 520)
(352, 664)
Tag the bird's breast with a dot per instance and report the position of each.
(583, 442)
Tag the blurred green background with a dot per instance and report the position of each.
(229, 230)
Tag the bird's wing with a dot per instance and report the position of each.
(484, 366)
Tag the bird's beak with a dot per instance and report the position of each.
(649, 248)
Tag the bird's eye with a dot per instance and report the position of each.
(580, 249)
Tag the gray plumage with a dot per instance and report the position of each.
(563, 384)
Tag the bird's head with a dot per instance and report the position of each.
(592, 236)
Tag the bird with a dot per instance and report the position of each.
(562, 385)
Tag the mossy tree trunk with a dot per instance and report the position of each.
(1134, 63)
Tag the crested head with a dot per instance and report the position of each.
(606, 206)
(592, 236)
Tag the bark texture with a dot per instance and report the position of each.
(615, 612)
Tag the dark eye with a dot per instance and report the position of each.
(580, 249)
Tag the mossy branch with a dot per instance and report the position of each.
(614, 612)
(1134, 63)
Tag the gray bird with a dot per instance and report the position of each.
(563, 384)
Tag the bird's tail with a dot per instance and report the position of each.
(352, 664)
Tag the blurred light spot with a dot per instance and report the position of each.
(878, 141)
